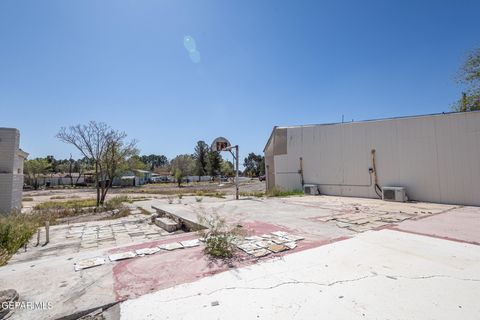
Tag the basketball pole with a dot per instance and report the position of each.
(235, 156)
(221, 144)
(236, 172)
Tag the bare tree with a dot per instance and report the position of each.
(102, 146)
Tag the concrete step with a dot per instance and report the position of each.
(167, 224)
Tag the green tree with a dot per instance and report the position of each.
(36, 167)
(201, 160)
(254, 165)
(470, 76)
(214, 163)
(227, 168)
(154, 161)
(181, 166)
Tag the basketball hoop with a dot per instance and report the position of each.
(222, 144)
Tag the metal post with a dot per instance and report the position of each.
(47, 232)
(236, 172)
(38, 237)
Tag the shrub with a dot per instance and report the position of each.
(219, 236)
(116, 203)
(15, 231)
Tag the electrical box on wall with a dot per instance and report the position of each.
(394, 194)
(311, 189)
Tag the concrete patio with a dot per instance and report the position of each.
(432, 244)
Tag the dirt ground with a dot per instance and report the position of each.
(149, 191)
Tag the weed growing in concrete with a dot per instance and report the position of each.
(198, 199)
(219, 236)
(217, 194)
(278, 192)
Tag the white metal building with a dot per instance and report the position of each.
(11, 170)
(435, 157)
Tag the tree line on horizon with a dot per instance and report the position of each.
(108, 154)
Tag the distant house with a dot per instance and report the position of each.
(144, 176)
(128, 181)
(11, 170)
(133, 178)
(58, 179)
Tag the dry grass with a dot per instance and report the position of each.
(15, 231)
(256, 194)
(16, 228)
(69, 204)
(278, 192)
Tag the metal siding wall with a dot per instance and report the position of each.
(417, 159)
(437, 158)
(472, 155)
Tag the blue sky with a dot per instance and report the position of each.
(257, 64)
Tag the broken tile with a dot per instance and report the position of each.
(253, 238)
(171, 246)
(248, 247)
(260, 253)
(147, 251)
(290, 245)
(343, 225)
(89, 263)
(267, 236)
(190, 243)
(277, 248)
(122, 256)
(279, 240)
(293, 237)
(325, 219)
(360, 228)
(264, 243)
(279, 233)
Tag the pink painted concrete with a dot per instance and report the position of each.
(138, 276)
(461, 225)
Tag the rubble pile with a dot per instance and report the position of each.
(265, 244)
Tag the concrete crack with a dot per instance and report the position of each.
(327, 284)
(293, 282)
(430, 277)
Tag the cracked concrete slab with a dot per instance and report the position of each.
(369, 276)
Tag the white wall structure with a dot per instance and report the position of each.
(11, 170)
(435, 157)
